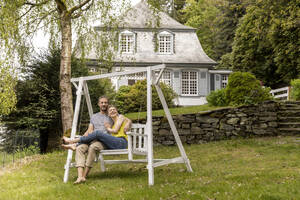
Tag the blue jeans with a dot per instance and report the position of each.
(108, 140)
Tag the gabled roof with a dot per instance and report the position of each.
(142, 16)
(187, 48)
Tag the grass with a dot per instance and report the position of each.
(254, 169)
(8, 158)
(174, 111)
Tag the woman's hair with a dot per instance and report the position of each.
(112, 106)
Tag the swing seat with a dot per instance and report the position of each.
(137, 145)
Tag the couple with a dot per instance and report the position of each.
(106, 130)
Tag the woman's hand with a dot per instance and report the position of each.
(127, 126)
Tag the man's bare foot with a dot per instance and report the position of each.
(66, 140)
(69, 146)
(80, 180)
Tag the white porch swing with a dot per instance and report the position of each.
(138, 139)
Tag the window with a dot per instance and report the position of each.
(189, 83)
(224, 81)
(165, 43)
(127, 42)
(165, 77)
(92, 69)
(131, 82)
(103, 70)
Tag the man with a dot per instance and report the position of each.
(97, 122)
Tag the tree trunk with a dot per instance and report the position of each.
(65, 74)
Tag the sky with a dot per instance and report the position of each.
(40, 41)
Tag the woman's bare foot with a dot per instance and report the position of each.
(69, 146)
(80, 180)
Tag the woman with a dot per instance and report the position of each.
(117, 139)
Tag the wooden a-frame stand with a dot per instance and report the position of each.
(82, 89)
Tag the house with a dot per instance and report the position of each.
(190, 71)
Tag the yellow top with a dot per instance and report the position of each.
(121, 132)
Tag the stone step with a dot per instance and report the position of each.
(289, 108)
(291, 103)
(289, 113)
(289, 131)
(289, 124)
(288, 119)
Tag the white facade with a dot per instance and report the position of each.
(190, 72)
(192, 85)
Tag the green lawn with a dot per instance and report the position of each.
(263, 168)
(174, 111)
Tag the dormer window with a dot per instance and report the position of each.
(165, 42)
(127, 42)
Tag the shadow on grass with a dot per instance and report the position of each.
(126, 174)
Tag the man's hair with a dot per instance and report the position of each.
(103, 97)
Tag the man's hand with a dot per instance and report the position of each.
(107, 125)
(90, 129)
(86, 133)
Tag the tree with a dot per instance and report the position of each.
(173, 8)
(216, 22)
(202, 15)
(23, 18)
(267, 42)
(7, 88)
(227, 23)
(38, 106)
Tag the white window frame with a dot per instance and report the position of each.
(183, 93)
(166, 77)
(92, 69)
(224, 80)
(127, 34)
(165, 34)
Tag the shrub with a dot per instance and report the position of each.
(244, 88)
(121, 98)
(217, 98)
(134, 98)
(295, 92)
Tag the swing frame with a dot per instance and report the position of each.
(82, 89)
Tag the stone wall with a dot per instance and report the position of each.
(227, 123)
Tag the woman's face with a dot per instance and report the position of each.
(112, 112)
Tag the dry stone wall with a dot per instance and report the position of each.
(227, 123)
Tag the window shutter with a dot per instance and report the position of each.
(117, 42)
(176, 82)
(174, 44)
(212, 82)
(135, 42)
(217, 81)
(203, 83)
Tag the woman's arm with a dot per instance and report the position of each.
(128, 124)
(117, 125)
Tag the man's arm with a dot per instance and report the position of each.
(89, 130)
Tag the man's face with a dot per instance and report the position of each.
(103, 104)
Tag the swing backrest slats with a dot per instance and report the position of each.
(139, 138)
